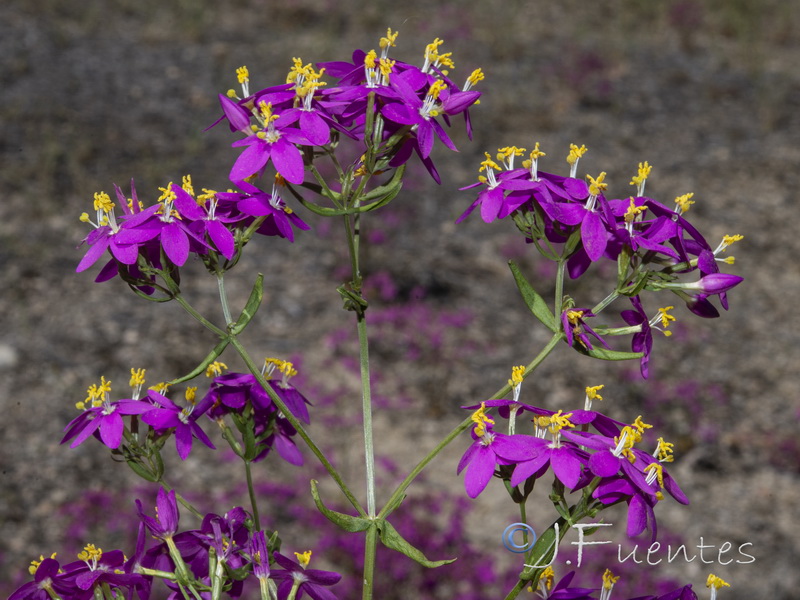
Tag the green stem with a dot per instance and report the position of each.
(252, 492)
(366, 406)
(370, 548)
(398, 494)
(559, 294)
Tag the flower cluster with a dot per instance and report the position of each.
(653, 244)
(605, 461)
(237, 395)
(223, 554)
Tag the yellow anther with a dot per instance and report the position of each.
(432, 49)
(167, 195)
(303, 558)
(536, 153)
(609, 580)
(716, 582)
(215, 369)
(547, 577)
(640, 425)
(574, 316)
(265, 108)
(666, 318)
(517, 374)
(242, 75)
(559, 421)
(386, 67)
(682, 203)
(575, 153)
(597, 186)
(370, 59)
(659, 473)
(190, 394)
(481, 420)
(664, 451)
(389, 39)
(283, 366)
(186, 184)
(644, 172)
(489, 163)
(474, 78)
(633, 210)
(84, 218)
(436, 88)
(102, 202)
(90, 552)
(161, 387)
(137, 377)
(205, 196)
(593, 392)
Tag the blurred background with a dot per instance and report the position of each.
(102, 91)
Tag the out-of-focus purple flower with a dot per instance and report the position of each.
(313, 582)
(683, 593)
(259, 555)
(168, 415)
(46, 576)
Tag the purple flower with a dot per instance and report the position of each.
(683, 593)
(102, 416)
(47, 576)
(488, 450)
(184, 420)
(259, 555)
(307, 581)
(165, 524)
(276, 142)
(575, 327)
(257, 203)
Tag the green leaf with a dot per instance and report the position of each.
(346, 522)
(604, 354)
(249, 310)
(534, 301)
(142, 471)
(212, 356)
(392, 539)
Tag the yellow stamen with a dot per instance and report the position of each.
(683, 203)
(640, 425)
(593, 392)
(186, 184)
(574, 316)
(480, 419)
(242, 75)
(597, 186)
(716, 582)
(609, 580)
(215, 369)
(644, 172)
(517, 374)
(303, 558)
(190, 394)
(664, 451)
(633, 210)
(103, 202)
(137, 377)
(666, 318)
(388, 41)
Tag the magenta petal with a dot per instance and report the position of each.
(125, 253)
(183, 441)
(479, 472)
(594, 235)
(604, 463)
(288, 161)
(175, 243)
(566, 466)
(90, 428)
(525, 469)
(288, 451)
(91, 256)
(111, 427)
(491, 203)
(222, 238)
(425, 139)
(250, 161)
(315, 128)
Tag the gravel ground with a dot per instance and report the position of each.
(707, 91)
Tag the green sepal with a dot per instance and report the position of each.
(212, 356)
(623, 264)
(249, 310)
(347, 522)
(393, 540)
(534, 301)
(142, 471)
